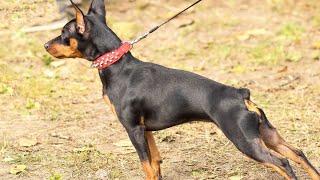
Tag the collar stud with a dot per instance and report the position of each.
(111, 57)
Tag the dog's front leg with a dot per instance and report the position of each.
(137, 136)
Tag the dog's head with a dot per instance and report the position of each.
(79, 36)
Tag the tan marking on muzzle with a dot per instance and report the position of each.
(61, 51)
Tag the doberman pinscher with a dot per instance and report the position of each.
(148, 97)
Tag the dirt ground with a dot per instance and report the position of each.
(53, 119)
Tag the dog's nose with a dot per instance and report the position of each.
(46, 45)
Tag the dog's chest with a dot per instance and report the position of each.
(109, 103)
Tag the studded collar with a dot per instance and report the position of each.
(111, 57)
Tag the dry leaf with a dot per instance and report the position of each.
(123, 143)
(83, 149)
(258, 32)
(236, 177)
(316, 45)
(60, 136)
(103, 174)
(253, 32)
(238, 69)
(243, 37)
(315, 55)
(57, 64)
(294, 57)
(17, 169)
(283, 70)
(49, 73)
(185, 23)
(24, 142)
(8, 159)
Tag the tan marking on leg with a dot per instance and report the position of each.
(154, 153)
(276, 168)
(292, 153)
(150, 174)
(274, 141)
(111, 106)
(142, 120)
(279, 170)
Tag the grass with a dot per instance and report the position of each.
(267, 54)
(315, 21)
(221, 52)
(292, 31)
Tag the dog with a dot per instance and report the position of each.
(148, 97)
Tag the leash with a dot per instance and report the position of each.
(113, 56)
(165, 22)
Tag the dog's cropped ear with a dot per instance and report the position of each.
(81, 27)
(97, 9)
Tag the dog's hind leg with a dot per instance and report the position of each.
(244, 133)
(274, 141)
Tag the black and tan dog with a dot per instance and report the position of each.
(148, 97)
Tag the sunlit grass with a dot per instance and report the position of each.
(292, 31)
(267, 53)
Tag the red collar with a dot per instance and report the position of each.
(111, 57)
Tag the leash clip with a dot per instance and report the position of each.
(131, 44)
(139, 38)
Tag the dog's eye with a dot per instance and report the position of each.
(81, 36)
(64, 39)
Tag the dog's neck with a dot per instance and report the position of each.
(107, 42)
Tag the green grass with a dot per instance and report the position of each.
(315, 20)
(267, 53)
(219, 52)
(292, 31)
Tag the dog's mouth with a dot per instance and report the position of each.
(61, 51)
(53, 52)
(59, 57)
